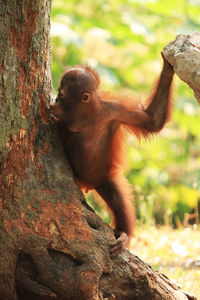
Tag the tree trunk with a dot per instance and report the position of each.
(52, 245)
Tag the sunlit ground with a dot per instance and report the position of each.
(176, 253)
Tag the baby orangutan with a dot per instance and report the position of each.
(92, 131)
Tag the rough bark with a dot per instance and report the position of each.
(52, 245)
(183, 53)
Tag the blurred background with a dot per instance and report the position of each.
(122, 40)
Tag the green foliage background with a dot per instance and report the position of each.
(122, 40)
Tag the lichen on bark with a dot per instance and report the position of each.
(183, 53)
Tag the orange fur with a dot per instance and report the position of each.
(94, 135)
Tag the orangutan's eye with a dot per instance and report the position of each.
(86, 97)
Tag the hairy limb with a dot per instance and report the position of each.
(159, 107)
(116, 193)
(157, 112)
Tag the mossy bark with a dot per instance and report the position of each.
(52, 245)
